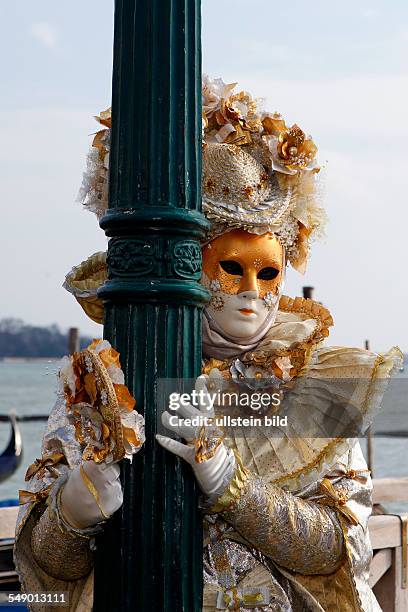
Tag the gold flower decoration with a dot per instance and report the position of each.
(230, 118)
(290, 148)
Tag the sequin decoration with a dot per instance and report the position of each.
(217, 302)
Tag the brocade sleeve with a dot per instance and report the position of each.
(61, 555)
(302, 535)
(298, 534)
(62, 551)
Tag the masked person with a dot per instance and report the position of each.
(285, 516)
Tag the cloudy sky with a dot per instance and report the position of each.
(339, 70)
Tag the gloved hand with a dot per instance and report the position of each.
(91, 494)
(212, 461)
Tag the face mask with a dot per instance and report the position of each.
(244, 274)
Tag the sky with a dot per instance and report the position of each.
(339, 70)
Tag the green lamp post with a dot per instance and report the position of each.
(150, 556)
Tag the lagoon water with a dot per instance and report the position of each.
(28, 388)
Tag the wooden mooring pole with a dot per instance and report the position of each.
(73, 340)
(308, 292)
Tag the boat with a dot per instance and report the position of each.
(11, 457)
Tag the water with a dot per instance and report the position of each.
(29, 388)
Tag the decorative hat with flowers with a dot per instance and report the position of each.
(99, 404)
(259, 174)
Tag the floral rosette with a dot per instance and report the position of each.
(99, 404)
(236, 118)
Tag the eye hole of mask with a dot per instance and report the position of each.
(268, 273)
(232, 267)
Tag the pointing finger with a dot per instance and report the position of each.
(175, 447)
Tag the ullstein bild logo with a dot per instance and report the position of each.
(229, 421)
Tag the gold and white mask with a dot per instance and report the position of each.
(244, 273)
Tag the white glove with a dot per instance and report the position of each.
(91, 494)
(213, 474)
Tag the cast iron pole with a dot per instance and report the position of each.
(150, 557)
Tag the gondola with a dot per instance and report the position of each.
(12, 456)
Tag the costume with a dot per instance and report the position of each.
(285, 515)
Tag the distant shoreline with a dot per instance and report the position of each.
(29, 359)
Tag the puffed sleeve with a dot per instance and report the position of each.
(60, 550)
(304, 532)
(303, 536)
(49, 554)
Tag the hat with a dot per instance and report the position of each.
(259, 174)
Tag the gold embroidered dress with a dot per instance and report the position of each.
(289, 531)
(291, 525)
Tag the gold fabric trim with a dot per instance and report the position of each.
(332, 446)
(205, 448)
(31, 497)
(299, 352)
(337, 499)
(45, 464)
(84, 280)
(307, 306)
(349, 558)
(233, 492)
(92, 489)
